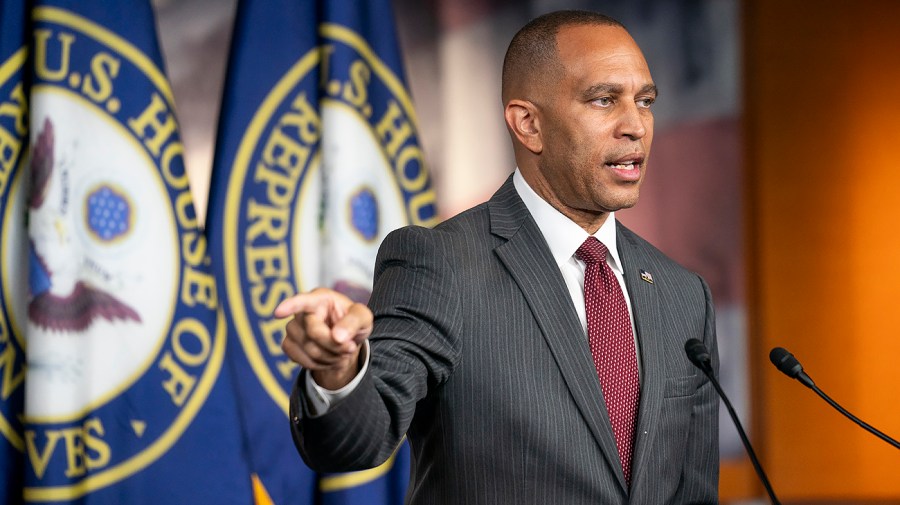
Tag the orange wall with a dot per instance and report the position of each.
(822, 88)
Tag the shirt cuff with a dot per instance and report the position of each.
(320, 399)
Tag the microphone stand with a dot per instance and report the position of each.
(699, 356)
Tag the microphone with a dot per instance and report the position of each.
(699, 355)
(788, 364)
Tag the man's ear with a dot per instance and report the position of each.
(523, 122)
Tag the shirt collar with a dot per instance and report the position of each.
(561, 233)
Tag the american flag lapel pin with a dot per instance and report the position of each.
(646, 277)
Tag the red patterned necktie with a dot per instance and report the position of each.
(612, 346)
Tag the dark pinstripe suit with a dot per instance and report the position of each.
(478, 355)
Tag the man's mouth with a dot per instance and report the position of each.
(630, 165)
(627, 167)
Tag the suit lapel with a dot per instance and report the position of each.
(528, 259)
(645, 307)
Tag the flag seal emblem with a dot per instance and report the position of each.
(327, 165)
(114, 237)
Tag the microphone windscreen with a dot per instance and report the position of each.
(697, 353)
(785, 361)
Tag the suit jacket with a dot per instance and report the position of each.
(479, 358)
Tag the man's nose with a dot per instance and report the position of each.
(634, 122)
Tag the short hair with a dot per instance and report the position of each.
(533, 48)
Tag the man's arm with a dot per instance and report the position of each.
(414, 304)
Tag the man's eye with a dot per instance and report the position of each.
(645, 102)
(604, 101)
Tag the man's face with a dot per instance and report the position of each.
(596, 124)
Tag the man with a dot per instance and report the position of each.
(525, 362)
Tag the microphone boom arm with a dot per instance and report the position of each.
(788, 364)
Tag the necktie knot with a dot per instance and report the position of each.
(591, 251)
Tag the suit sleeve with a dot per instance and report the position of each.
(701, 470)
(416, 307)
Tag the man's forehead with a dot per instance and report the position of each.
(600, 45)
(574, 40)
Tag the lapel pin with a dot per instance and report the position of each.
(646, 277)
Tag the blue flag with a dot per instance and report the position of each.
(317, 159)
(13, 146)
(125, 396)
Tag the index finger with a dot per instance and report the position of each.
(296, 304)
(318, 302)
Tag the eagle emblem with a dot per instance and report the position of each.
(60, 299)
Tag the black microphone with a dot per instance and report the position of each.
(788, 364)
(700, 357)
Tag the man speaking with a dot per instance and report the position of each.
(530, 348)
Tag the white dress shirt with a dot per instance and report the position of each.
(564, 237)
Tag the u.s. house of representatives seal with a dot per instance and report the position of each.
(328, 165)
(122, 337)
